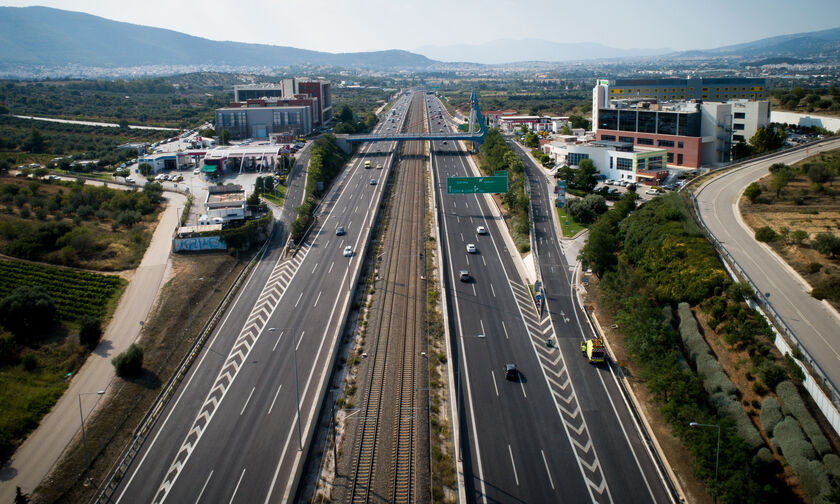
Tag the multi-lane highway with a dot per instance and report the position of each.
(554, 434)
(232, 433)
(813, 322)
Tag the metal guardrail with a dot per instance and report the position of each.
(782, 327)
(151, 417)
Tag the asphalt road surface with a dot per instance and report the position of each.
(812, 321)
(231, 432)
(558, 433)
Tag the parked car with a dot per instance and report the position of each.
(129, 180)
(653, 192)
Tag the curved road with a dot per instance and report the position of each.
(812, 321)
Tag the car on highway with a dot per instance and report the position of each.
(373, 181)
(511, 373)
(339, 231)
(464, 275)
(348, 251)
(444, 142)
(481, 230)
(471, 248)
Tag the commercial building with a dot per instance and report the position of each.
(260, 122)
(319, 91)
(166, 161)
(692, 88)
(614, 160)
(535, 123)
(239, 158)
(224, 204)
(693, 132)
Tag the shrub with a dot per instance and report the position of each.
(788, 437)
(90, 331)
(827, 288)
(813, 267)
(827, 244)
(832, 464)
(764, 456)
(752, 192)
(812, 476)
(771, 373)
(771, 414)
(130, 362)
(743, 425)
(798, 236)
(792, 404)
(793, 367)
(30, 363)
(766, 234)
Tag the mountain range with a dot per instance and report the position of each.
(44, 38)
(508, 50)
(51, 37)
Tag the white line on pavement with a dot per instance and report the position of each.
(550, 480)
(275, 398)
(493, 374)
(246, 401)
(204, 487)
(513, 464)
(237, 486)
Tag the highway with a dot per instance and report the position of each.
(553, 435)
(231, 433)
(814, 323)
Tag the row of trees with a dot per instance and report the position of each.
(325, 162)
(349, 122)
(496, 155)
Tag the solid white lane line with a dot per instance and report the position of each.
(316, 267)
(316, 299)
(246, 401)
(493, 374)
(505, 329)
(550, 480)
(492, 290)
(298, 299)
(331, 266)
(239, 482)
(512, 464)
(275, 398)
(301, 339)
(204, 487)
(278, 341)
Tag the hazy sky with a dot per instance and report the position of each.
(366, 25)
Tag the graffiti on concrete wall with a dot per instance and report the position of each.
(198, 243)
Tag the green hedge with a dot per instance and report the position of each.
(771, 414)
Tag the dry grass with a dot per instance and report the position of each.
(165, 341)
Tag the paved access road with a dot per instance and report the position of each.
(231, 433)
(813, 322)
(554, 434)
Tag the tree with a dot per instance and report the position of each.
(90, 331)
(531, 140)
(586, 210)
(35, 142)
(20, 496)
(153, 191)
(827, 244)
(601, 245)
(579, 122)
(767, 138)
(145, 169)
(798, 236)
(253, 201)
(346, 114)
(224, 137)
(818, 173)
(781, 175)
(27, 312)
(766, 234)
(585, 175)
(752, 192)
(565, 129)
(130, 362)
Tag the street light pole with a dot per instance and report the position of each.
(84, 437)
(717, 454)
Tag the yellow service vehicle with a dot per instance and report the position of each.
(594, 350)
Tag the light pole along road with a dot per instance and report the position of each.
(556, 434)
(229, 433)
(812, 321)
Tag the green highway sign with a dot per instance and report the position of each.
(472, 185)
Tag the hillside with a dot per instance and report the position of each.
(44, 36)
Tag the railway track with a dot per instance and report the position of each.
(385, 455)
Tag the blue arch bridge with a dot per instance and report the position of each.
(475, 132)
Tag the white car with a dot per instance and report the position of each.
(471, 248)
(348, 251)
(129, 180)
(196, 171)
(481, 230)
(653, 192)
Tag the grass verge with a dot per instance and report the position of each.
(574, 227)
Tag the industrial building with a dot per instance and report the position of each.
(166, 161)
(260, 122)
(614, 160)
(694, 133)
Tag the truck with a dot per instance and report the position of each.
(367, 165)
(594, 350)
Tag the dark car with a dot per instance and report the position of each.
(464, 275)
(511, 372)
(339, 231)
